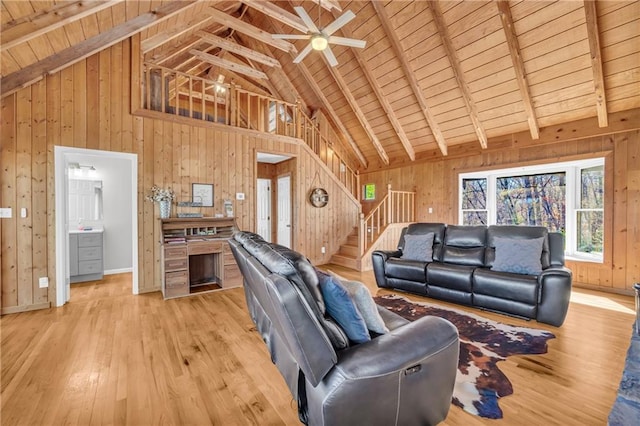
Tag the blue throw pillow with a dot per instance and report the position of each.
(518, 256)
(418, 247)
(342, 308)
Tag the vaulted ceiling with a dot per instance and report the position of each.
(433, 75)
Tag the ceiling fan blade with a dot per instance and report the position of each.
(351, 42)
(302, 54)
(339, 23)
(292, 36)
(331, 58)
(306, 19)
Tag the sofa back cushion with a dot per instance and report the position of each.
(464, 245)
(516, 232)
(438, 230)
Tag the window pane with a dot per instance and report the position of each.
(590, 231)
(474, 218)
(532, 200)
(370, 191)
(592, 188)
(474, 194)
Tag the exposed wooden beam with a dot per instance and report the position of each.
(250, 30)
(518, 66)
(42, 23)
(382, 99)
(278, 13)
(443, 31)
(409, 74)
(328, 4)
(233, 47)
(596, 61)
(223, 63)
(290, 94)
(346, 92)
(88, 47)
(172, 33)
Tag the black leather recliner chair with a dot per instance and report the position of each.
(404, 377)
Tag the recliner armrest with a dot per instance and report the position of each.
(554, 270)
(379, 259)
(554, 296)
(399, 349)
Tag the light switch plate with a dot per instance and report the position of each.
(239, 195)
(43, 282)
(5, 212)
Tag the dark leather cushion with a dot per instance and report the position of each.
(456, 277)
(468, 256)
(412, 270)
(504, 285)
(464, 245)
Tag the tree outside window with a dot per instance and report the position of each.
(369, 192)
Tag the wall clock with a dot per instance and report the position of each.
(318, 197)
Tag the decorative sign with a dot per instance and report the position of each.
(318, 197)
(202, 193)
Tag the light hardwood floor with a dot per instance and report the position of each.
(111, 357)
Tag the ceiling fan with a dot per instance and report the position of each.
(320, 38)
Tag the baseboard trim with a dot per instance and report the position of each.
(26, 308)
(118, 271)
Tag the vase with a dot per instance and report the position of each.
(165, 209)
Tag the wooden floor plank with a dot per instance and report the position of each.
(109, 357)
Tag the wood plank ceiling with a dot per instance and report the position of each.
(433, 74)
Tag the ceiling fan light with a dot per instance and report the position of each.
(319, 42)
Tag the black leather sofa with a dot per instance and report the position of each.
(403, 377)
(461, 271)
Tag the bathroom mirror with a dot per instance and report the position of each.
(85, 200)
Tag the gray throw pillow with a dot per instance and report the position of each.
(418, 247)
(365, 303)
(518, 256)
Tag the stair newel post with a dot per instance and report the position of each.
(233, 103)
(363, 234)
(389, 218)
(298, 119)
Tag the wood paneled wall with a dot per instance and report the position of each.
(436, 183)
(87, 106)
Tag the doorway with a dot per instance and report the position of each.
(275, 180)
(121, 164)
(284, 211)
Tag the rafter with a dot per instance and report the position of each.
(278, 13)
(443, 31)
(408, 72)
(42, 23)
(344, 88)
(90, 46)
(518, 66)
(329, 4)
(291, 93)
(382, 99)
(596, 61)
(233, 47)
(249, 30)
(171, 33)
(223, 63)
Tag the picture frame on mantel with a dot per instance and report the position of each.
(202, 193)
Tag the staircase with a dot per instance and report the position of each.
(394, 207)
(349, 254)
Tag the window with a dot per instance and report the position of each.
(564, 197)
(369, 192)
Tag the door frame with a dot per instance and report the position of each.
(61, 185)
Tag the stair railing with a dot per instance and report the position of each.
(174, 92)
(395, 207)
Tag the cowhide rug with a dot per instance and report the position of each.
(479, 382)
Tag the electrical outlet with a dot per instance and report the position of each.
(323, 250)
(430, 210)
(5, 212)
(23, 212)
(43, 282)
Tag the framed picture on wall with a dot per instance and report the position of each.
(202, 193)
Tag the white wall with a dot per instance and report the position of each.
(115, 174)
